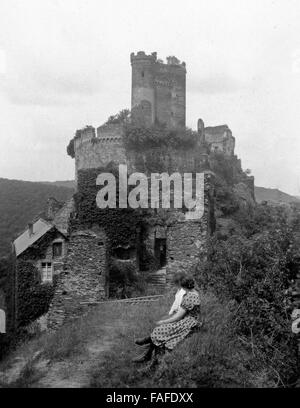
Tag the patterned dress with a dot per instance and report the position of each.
(170, 334)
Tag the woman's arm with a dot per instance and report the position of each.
(177, 316)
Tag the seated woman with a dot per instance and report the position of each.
(169, 332)
(178, 295)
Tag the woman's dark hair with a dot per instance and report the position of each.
(187, 282)
(178, 277)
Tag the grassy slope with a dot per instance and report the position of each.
(96, 351)
(20, 202)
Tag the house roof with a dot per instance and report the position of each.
(25, 240)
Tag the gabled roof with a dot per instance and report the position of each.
(25, 240)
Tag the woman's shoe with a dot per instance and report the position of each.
(143, 341)
(145, 356)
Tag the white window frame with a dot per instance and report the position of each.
(48, 278)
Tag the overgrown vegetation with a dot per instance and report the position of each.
(253, 264)
(33, 297)
(119, 223)
(121, 226)
(139, 138)
(122, 117)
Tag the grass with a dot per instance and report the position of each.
(212, 357)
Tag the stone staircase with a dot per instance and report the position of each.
(158, 279)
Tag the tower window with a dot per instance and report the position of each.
(143, 74)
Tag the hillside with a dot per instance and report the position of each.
(20, 202)
(273, 195)
(261, 193)
(96, 351)
(61, 183)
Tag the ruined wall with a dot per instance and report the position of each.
(186, 239)
(220, 138)
(53, 206)
(83, 279)
(62, 217)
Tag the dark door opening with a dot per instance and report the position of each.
(160, 250)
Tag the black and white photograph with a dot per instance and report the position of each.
(149, 197)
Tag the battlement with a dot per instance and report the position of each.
(84, 135)
(110, 132)
(142, 56)
(93, 150)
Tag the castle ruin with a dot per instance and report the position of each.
(172, 240)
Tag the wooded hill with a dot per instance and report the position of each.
(20, 202)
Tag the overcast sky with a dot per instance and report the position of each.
(65, 64)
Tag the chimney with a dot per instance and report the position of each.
(30, 229)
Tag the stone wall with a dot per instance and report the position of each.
(83, 279)
(95, 152)
(42, 251)
(169, 160)
(220, 139)
(53, 206)
(62, 217)
(162, 85)
(187, 239)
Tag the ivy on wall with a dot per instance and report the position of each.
(33, 299)
(121, 225)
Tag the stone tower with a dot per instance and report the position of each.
(158, 90)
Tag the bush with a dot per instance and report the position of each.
(124, 280)
(138, 138)
(255, 270)
(120, 118)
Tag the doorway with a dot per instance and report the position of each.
(160, 251)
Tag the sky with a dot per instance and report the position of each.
(66, 64)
